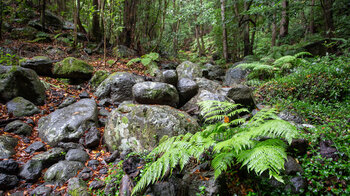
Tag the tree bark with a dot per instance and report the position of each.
(43, 15)
(312, 18)
(175, 27)
(75, 14)
(224, 33)
(96, 30)
(1, 10)
(285, 19)
(274, 28)
(248, 49)
(80, 25)
(130, 16)
(328, 17)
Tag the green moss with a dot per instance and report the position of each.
(70, 64)
(98, 78)
(125, 120)
(181, 115)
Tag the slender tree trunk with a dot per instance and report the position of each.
(96, 31)
(161, 30)
(75, 14)
(284, 20)
(328, 16)
(1, 10)
(312, 18)
(274, 28)
(43, 15)
(80, 25)
(224, 33)
(201, 28)
(200, 51)
(176, 26)
(246, 34)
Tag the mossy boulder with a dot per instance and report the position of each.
(21, 107)
(189, 70)
(74, 69)
(7, 146)
(98, 78)
(21, 82)
(24, 33)
(141, 127)
(62, 171)
(155, 93)
(123, 51)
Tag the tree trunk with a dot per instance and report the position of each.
(1, 8)
(246, 33)
(175, 26)
(328, 17)
(43, 15)
(312, 18)
(224, 33)
(96, 30)
(274, 28)
(284, 19)
(201, 33)
(200, 51)
(81, 28)
(75, 14)
(130, 11)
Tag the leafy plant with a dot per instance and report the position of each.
(8, 59)
(149, 61)
(246, 144)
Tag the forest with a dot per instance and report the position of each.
(174, 97)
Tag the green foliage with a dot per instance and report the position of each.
(241, 144)
(149, 61)
(8, 59)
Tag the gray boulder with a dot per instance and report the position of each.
(189, 70)
(187, 89)
(241, 94)
(155, 93)
(213, 72)
(41, 190)
(40, 64)
(23, 32)
(123, 51)
(170, 77)
(98, 78)
(67, 101)
(7, 146)
(31, 171)
(8, 181)
(18, 127)
(69, 123)
(169, 65)
(35, 147)
(20, 82)
(141, 127)
(92, 138)
(21, 107)
(235, 76)
(292, 167)
(50, 157)
(77, 155)
(63, 171)
(117, 87)
(203, 95)
(206, 84)
(9, 166)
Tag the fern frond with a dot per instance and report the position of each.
(301, 54)
(263, 115)
(266, 155)
(222, 162)
(285, 59)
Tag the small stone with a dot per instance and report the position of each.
(96, 185)
(77, 155)
(31, 171)
(70, 145)
(35, 147)
(113, 156)
(170, 77)
(42, 190)
(84, 94)
(21, 107)
(66, 102)
(292, 167)
(103, 171)
(50, 157)
(8, 166)
(93, 164)
(92, 138)
(18, 127)
(103, 112)
(8, 181)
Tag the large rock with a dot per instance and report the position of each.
(53, 20)
(77, 155)
(69, 123)
(155, 93)
(62, 171)
(241, 94)
(23, 32)
(117, 87)
(141, 127)
(187, 89)
(235, 76)
(18, 127)
(122, 51)
(7, 146)
(21, 107)
(209, 85)
(203, 95)
(77, 187)
(20, 82)
(213, 72)
(189, 70)
(9, 166)
(74, 69)
(40, 64)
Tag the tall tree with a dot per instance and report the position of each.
(96, 29)
(130, 16)
(1, 10)
(43, 6)
(224, 33)
(312, 18)
(328, 16)
(285, 19)
(274, 26)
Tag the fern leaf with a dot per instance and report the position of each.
(301, 54)
(222, 162)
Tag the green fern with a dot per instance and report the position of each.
(246, 144)
(148, 60)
